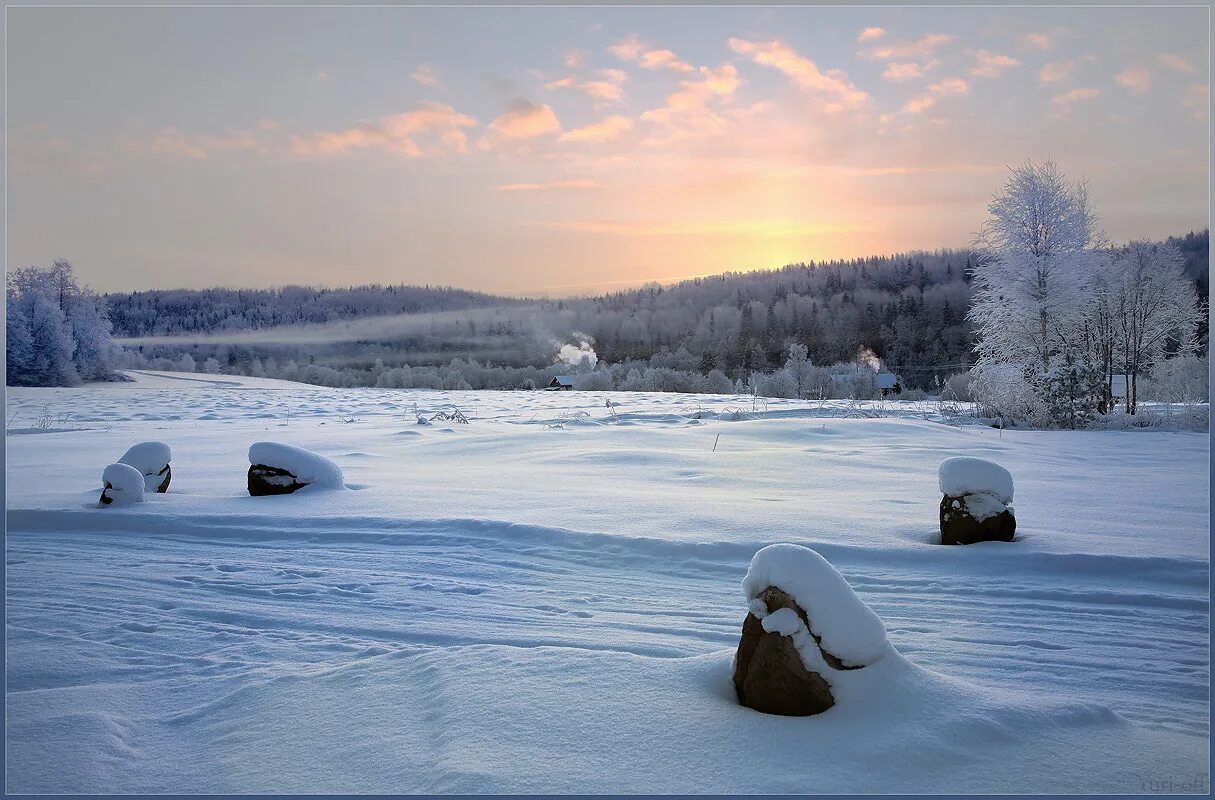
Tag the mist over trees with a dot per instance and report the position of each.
(58, 333)
(1078, 314)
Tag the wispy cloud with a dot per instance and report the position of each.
(430, 129)
(1175, 62)
(923, 47)
(1055, 71)
(1135, 79)
(628, 49)
(870, 34)
(765, 228)
(526, 120)
(899, 71)
(425, 76)
(664, 59)
(1041, 40)
(634, 50)
(173, 142)
(602, 131)
(804, 72)
(945, 88)
(604, 87)
(1070, 98)
(1197, 99)
(991, 65)
(687, 113)
(550, 186)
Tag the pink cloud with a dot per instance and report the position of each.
(1070, 98)
(991, 65)
(923, 47)
(431, 129)
(425, 76)
(1135, 79)
(173, 142)
(945, 88)
(550, 186)
(1039, 41)
(628, 49)
(869, 34)
(602, 131)
(1175, 62)
(526, 120)
(1055, 71)
(664, 59)
(804, 72)
(899, 71)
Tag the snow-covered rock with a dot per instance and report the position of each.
(846, 627)
(976, 506)
(152, 461)
(277, 468)
(805, 627)
(121, 484)
(965, 475)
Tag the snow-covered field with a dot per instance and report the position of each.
(548, 598)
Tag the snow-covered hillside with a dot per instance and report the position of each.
(548, 597)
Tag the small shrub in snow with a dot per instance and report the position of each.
(121, 484)
(277, 468)
(805, 626)
(977, 502)
(152, 461)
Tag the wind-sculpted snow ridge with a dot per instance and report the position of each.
(503, 607)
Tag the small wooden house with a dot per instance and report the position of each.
(562, 383)
(887, 383)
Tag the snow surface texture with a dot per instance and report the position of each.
(963, 475)
(306, 466)
(555, 609)
(848, 629)
(125, 484)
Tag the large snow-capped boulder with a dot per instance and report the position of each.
(121, 484)
(805, 625)
(977, 502)
(152, 461)
(276, 468)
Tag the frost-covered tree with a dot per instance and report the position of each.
(58, 332)
(1033, 283)
(1154, 310)
(1038, 262)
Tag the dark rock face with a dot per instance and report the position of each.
(769, 675)
(958, 525)
(163, 486)
(105, 496)
(265, 480)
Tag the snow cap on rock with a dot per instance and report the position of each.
(965, 475)
(308, 467)
(125, 483)
(147, 457)
(848, 629)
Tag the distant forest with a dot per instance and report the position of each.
(162, 312)
(909, 310)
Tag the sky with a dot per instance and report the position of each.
(553, 151)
